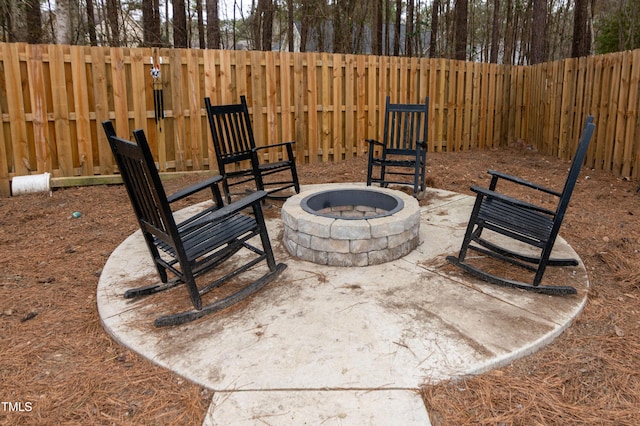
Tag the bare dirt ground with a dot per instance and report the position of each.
(58, 366)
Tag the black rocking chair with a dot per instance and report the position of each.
(403, 156)
(518, 220)
(196, 245)
(234, 143)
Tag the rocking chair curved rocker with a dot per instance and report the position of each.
(518, 220)
(197, 245)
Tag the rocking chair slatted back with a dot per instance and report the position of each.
(232, 132)
(406, 127)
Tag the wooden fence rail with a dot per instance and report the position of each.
(54, 97)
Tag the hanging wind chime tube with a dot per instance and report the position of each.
(158, 96)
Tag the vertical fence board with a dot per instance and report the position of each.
(195, 138)
(403, 79)
(555, 97)
(119, 92)
(491, 104)
(81, 101)
(101, 109)
(484, 102)
(338, 142)
(373, 96)
(39, 108)
(466, 106)
(439, 101)
(591, 105)
(242, 74)
(257, 98)
(325, 91)
(383, 84)
(211, 91)
(460, 106)
(353, 83)
(5, 187)
(621, 116)
(286, 111)
(632, 136)
(601, 130)
(567, 99)
(361, 105)
(300, 100)
(61, 110)
(312, 108)
(612, 115)
(450, 104)
(271, 102)
(139, 80)
(579, 103)
(16, 109)
(176, 138)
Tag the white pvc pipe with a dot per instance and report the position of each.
(31, 183)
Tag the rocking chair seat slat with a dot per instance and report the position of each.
(197, 241)
(521, 224)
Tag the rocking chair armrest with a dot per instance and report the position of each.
(207, 183)
(223, 212)
(257, 148)
(374, 142)
(510, 200)
(522, 182)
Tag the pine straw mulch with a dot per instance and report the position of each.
(56, 357)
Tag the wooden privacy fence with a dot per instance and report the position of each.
(54, 97)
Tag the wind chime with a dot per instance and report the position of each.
(158, 97)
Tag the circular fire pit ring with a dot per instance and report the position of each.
(351, 204)
(349, 225)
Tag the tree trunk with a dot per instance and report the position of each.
(179, 24)
(461, 13)
(34, 22)
(410, 32)
(63, 23)
(91, 23)
(151, 24)
(538, 32)
(213, 25)
(290, 32)
(581, 44)
(200, 16)
(305, 23)
(508, 34)
(267, 25)
(387, 25)
(396, 38)
(376, 30)
(434, 29)
(495, 33)
(113, 7)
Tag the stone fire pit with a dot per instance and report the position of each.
(350, 225)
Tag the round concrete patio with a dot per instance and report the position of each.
(342, 345)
